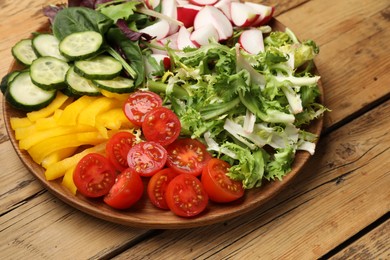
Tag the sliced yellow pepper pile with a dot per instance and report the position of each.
(59, 135)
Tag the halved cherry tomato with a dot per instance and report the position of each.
(147, 158)
(139, 103)
(157, 187)
(161, 125)
(126, 191)
(187, 156)
(118, 147)
(186, 196)
(218, 185)
(94, 175)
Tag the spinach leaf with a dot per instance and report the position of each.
(129, 49)
(79, 19)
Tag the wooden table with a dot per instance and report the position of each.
(338, 206)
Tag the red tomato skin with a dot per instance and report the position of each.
(185, 196)
(187, 155)
(126, 191)
(147, 158)
(118, 147)
(94, 175)
(218, 186)
(161, 125)
(139, 104)
(157, 187)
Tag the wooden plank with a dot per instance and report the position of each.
(342, 190)
(348, 56)
(374, 245)
(45, 228)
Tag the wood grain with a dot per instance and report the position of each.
(374, 245)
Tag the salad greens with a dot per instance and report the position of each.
(248, 109)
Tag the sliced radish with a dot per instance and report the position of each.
(186, 14)
(202, 35)
(203, 2)
(224, 6)
(169, 8)
(184, 40)
(170, 41)
(265, 13)
(252, 41)
(152, 4)
(159, 29)
(242, 15)
(212, 15)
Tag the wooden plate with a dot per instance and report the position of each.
(144, 214)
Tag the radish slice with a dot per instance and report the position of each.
(160, 29)
(242, 15)
(186, 14)
(171, 40)
(169, 8)
(252, 41)
(202, 35)
(212, 15)
(225, 7)
(203, 2)
(265, 13)
(184, 40)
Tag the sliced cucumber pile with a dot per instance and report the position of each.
(77, 65)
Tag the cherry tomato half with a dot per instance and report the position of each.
(126, 191)
(187, 156)
(118, 147)
(161, 125)
(186, 196)
(218, 186)
(147, 158)
(94, 175)
(139, 103)
(157, 187)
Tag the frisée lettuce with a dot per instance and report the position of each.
(249, 109)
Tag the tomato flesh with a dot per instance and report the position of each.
(94, 175)
(218, 186)
(126, 191)
(161, 125)
(187, 156)
(118, 147)
(147, 158)
(139, 104)
(185, 196)
(157, 187)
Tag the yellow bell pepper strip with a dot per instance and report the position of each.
(67, 181)
(114, 119)
(18, 122)
(39, 125)
(100, 105)
(58, 169)
(59, 100)
(119, 97)
(41, 150)
(39, 136)
(58, 156)
(72, 111)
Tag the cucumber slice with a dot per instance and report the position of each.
(6, 80)
(79, 85)
(23, 94)
(81, 45)
(116, 85)
(99, 67)
(24, 52)
(49, 72)
(47, 45)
